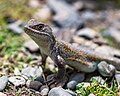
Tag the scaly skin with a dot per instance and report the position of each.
(63, 53)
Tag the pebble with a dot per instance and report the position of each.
(43, 13)
(2, 94)
(17, 80)
(66, 15)
(75, 79)
(44, 90)
(34, 85)
(91, 94)
(113, 33)
(17, 71)
(58, 91)
(31, 46)
(117, 76)
(87, 33)
(34, 3)
(107, 50)
(40, 79)
(3, 82)
(32, 71)
(106, 70)
(16, 27)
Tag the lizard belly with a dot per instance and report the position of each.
(88, 67)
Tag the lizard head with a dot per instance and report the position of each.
(40, 33)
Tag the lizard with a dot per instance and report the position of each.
(63, 53)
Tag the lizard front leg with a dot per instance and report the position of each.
(59, 79)
(44, 57)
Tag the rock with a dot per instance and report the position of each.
(113, 33)
(31, 46)
(100, 41)
(16, 71)
(117, 76)
(86, 84)
(90, 44)
(107, 50)
(106, 70)
(43, 13)
(44, 90)
(2, 94)
(91, 94)
(58, 91)
(34, 3)
(70, 92)
(34, 85)
(3, 82)
(16, 27)
(87, 33)
(32, 71)
(65, 14)
(78, 40)
(78, 5)
(88, 16)
(75, 79)
(17, 80)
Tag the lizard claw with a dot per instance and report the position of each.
(55, 82)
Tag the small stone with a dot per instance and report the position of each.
(44, 90)
(17, 71)
(16, 27)
(43, 13)
(75, 79)
(105, 69)
(31, 46)
(58, 91)
(2, 94)
(117, 76)
(32, 71)
(107, 50)
(91, 94)
(87, 33)
(34, 3)
(78, 40)
(3, 82)
(86, 84)
(78, 5)
(71, 92)
(34, 85)
(88, 16)
(17, 80)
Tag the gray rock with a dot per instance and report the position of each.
(106, 70)
(34, 85)
(66, 15)
(16, 27)
(34, 3)
(75, 79)
(71, 92)
(3, 82)
(87, 33)
(43, 13)
(44, 90)
(88, 16)
(17, 80)
(2, 94)
(107, 50)
(113, 33)
(31, 46)
(117, 76)
(58, 91)
(32, 71)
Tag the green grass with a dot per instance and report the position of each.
(97, 89)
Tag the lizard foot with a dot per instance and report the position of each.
(55, 82)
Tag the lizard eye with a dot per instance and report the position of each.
(38, 27)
